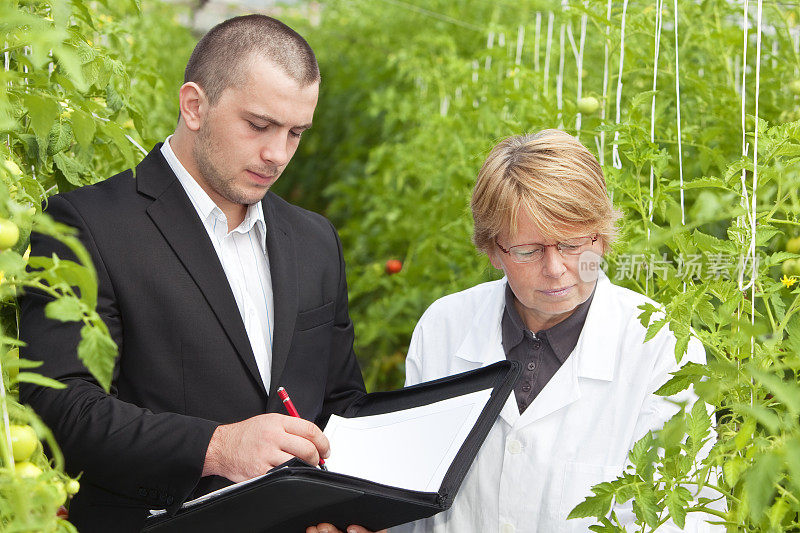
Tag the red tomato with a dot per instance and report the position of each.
(393, 266)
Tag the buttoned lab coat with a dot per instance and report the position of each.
(535, 467)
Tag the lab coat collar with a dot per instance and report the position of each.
(483, 342)
(598, 345)
(594, 356)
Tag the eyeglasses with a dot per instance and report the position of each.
(531, 253)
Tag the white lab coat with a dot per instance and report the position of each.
(535, 467)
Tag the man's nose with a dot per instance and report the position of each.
(275, 149)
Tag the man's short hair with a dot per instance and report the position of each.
(554, 178)
(223, 56)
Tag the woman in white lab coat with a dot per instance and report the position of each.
(585, 395)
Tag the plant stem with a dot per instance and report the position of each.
(5, 438)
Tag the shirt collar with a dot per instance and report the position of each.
(563, 337)
(512, 325)
(206, 207)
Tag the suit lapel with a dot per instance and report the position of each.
(283, 270)
(175, 217)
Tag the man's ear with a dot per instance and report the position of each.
(193, 105)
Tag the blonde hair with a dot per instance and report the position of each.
(554, 178)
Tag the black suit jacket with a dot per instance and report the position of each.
(185, 363)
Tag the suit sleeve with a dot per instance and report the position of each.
(345, 383)
(153, 458)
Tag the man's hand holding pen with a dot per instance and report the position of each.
(252, 447)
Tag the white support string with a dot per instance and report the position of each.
(774, 54)
(601, 151)
(7, 62)
(536, 39)
(678, 114)
(745, 200)
(745, 145)
(560, 79)
(518, 58)
(615, 160)
(584, 19)
(572, 44)
(795, 35)
(6, 421)
(26, 50)
(548, 47)
(489, 45)
(131, 139)
(656, 50)
(753, 258)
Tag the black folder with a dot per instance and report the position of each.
(296, 495)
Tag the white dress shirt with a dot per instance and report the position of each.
(534, 467)
(243, 255)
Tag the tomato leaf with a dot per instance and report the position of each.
(66, 309)
(98, 352)
(677, 499)
(760, 480)
(597, 505)
(699, 423)
(38, 379)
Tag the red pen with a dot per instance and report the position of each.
(290, 408)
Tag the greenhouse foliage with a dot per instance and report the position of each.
(413, 98)
(79, 98)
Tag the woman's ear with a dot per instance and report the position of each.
(494, 258)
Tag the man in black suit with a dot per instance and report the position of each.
(215, 290)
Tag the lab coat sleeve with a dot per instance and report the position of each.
(655, 412)
(413, 360)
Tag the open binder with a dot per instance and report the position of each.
(296, 495)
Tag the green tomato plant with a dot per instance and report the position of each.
(71, 114)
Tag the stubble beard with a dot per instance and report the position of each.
(205, 153)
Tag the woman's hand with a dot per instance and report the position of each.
(330, 528)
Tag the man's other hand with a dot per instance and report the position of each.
(251, 447)
(330, 528)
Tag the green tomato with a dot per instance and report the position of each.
(793, 245)
(23, 442)
(9, 234)
(26, 469)
(12, 360)
(72, 486)
(791, 267)
(794, 86)
(588, 105)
